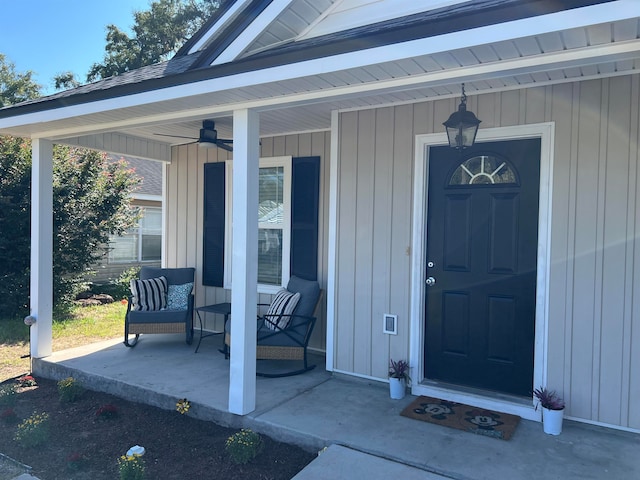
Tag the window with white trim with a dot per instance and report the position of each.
(142, 243)
(274, 223)
(289, 204)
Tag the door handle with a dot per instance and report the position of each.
(431, 281)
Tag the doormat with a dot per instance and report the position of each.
(463, 417)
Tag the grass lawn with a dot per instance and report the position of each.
(84, 325)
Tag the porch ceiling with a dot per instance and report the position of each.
(302, 102)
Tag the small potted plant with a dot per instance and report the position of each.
(398, 378)
(552, 410)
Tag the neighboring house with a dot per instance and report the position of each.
(142, 244)
(531, 237)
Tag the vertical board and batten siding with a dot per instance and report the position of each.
(123, 145)
(374, 243)
(184, 214)
(593, 354)
(185, 210)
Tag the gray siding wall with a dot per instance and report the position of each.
(593, 322)
(119, 144)
(184, 210)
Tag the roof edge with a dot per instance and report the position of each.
(442, 23)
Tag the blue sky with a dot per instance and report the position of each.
(53, 36)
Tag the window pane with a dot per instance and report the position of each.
(270, 218)
(151, 233)
(271, 196)
(483, 170)
(270, 256)
(151, 221)
(125, 248)
(151, 247)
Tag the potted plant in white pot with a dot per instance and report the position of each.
(398, 378)
(552, 410)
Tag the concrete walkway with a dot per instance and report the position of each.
(339, 462)
(361, 425)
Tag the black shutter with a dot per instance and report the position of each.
(214, 205)
(305, 187)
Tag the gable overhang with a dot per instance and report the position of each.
(270, 12)
(339, 76)
(241, 21)
(227, 11)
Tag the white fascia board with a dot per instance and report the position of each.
(610, 12)
(253, 31)
(226, 18)
(552, 61)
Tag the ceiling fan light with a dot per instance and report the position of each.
(206, 144)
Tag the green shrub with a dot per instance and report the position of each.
(33, 431)
(69, 390)
(243, 446)
(120, 288)
(131, 467)
(90, 203)
(8, 396)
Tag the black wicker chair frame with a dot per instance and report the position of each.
(161, 321)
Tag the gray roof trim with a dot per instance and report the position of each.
(177, 71)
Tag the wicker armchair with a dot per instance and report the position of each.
(290, 342)
(166, 320)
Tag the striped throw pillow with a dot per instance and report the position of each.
(149, 294)
(284, 303)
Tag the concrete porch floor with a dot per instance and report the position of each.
(317, 409)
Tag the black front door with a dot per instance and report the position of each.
(482, 235)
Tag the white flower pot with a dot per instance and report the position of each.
(397, 388)
(552, 421)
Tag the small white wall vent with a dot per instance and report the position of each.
(390, 324)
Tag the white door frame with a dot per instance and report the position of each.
(503, 403)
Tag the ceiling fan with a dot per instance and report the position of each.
(208, 137)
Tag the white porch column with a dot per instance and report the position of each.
(244, 292)
(41, 247)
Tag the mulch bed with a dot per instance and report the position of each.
(83, 445)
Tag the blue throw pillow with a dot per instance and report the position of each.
(178, 296)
